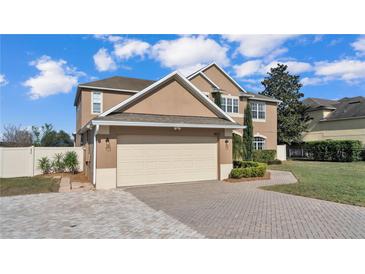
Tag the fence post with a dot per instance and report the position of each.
(33, 160)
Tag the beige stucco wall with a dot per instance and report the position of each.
(222, 81)
(267, 128)
(106, 151)
(202, 84)
(349, 129)
(171, 99)
(110, 99)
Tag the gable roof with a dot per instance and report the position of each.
(345, 108)
(116, 83)
(179, 77)
(318, 103)
(201, 71)
(348, 108)
(250, 95)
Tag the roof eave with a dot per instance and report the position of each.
(339, 119)
(156, 124)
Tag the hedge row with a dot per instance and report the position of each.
(264, 156)
(334, 150)
(247, 169)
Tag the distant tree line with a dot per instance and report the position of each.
(44, 136)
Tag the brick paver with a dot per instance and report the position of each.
(241, 210)
(92, 214)
(185, 210)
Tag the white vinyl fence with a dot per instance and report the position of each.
(23, 161)
(281, 152)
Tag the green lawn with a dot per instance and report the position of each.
(27, 185)
(332, 181)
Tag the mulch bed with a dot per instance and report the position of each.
(267, 176)
(78, 177)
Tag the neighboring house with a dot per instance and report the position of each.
(165, 131)
(336, 119)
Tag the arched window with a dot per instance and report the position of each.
(259, 143)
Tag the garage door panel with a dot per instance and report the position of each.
(165, 159)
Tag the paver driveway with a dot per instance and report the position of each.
(240, 210)
(100, 214)
(192, 210)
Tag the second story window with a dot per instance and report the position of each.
(229, 104)
(258, 110)
(96, 102)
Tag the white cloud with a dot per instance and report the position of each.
(109, 38)
(258, 45)
(346, 70)
(103, 61)
(259, 67)
(312, 81)
(54, 77)
(127, 48)
(248, 68)
(3, 80)
(189, 52)
(359, 45)
(293, 66)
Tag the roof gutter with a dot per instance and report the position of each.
(340, 119)
(156, 124)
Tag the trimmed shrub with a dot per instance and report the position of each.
(71, 162)
(247, 169)
(237, 164)
(264, 156)
(334, 150)
(274, 162)
(363, 154)
(45, 165)
(58, 164)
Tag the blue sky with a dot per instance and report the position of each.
(39, 73)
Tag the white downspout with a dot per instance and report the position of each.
(94, 154)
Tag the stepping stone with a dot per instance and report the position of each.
(65, 184)
(64, 189)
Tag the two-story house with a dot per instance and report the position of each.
(342, 119)
(137, 131)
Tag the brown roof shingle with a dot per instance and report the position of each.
(118, 82)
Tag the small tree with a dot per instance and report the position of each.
(292, 117)
(71, 161)
(237, 147)
(36, 136)
(45, 165)
(247, 140)
(16, 136)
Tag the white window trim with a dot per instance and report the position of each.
(92, 102)
(233, 114)
(259, 119)
(262, 137)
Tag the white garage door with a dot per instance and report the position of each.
(165, 159)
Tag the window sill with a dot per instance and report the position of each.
(259, 120)
(232, 114)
